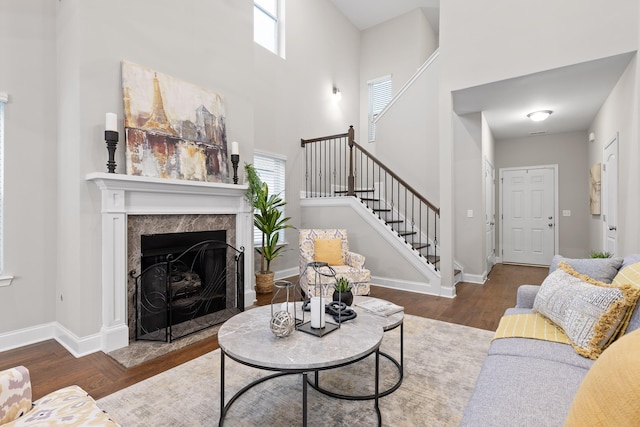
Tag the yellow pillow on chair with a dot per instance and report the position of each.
(328, 250)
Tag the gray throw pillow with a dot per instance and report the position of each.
(600, 269)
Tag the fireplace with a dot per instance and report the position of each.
(132, 206)
(188, 281)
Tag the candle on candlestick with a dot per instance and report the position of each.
(234, 148)
(111, 122)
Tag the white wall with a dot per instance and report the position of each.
(380, 55)
(27, 74)
(570, 152)
(470, 232)
(619, 114)
(483, 42)
(270, 104)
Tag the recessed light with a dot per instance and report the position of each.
(538, 116)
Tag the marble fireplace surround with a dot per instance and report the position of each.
(127, 195)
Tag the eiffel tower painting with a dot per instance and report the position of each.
(173, 129)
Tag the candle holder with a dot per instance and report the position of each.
(316, 303)
(111, 138)
(235, 159)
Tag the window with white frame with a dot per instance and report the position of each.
(379, 97)
(268, 25)
(270, 169)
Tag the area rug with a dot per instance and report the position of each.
(441, 361)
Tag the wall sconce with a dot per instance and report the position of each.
(538, 116)
(337, 95)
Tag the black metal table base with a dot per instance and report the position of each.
(399, 365)
(224, 407)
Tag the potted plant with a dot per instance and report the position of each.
(342, 291)
(267, 217)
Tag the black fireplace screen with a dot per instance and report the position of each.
(189, 282)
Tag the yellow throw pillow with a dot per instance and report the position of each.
(608, 395)
(628, 275)
(328, 250)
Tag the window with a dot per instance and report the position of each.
(379, 97)
(270, 169)
(268, 25)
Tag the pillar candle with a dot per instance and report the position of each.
(317, 313)
(234, 148)
(111, 122)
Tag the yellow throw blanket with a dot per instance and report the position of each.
(530, 326)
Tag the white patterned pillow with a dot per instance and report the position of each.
(587, 310)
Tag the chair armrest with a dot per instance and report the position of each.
(526, 296)
(355, 260)
(15, 393)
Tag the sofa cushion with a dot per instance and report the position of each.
(631, 275)
(600, 269)
(589, 311)
(15, 393)
(522, 391)
(609, 392)
(328, 250)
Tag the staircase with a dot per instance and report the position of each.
(337, 166)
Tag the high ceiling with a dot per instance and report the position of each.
(574, 93)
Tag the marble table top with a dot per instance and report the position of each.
(247, 338)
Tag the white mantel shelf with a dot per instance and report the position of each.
(124, 195)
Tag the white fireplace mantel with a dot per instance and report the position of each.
(124, 195)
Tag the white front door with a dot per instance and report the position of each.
(610, 196)
(528, 215)
(490, 214)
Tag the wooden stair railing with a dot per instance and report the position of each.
(338, 166)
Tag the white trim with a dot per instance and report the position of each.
(433, 277)
(47, 331)
(4, 97)
(474, 278)
(556, 228)
(408, 84)
(5, 281)
(270, 154)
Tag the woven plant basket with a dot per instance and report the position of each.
(264, 283)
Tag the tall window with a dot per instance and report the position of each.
(3, 100)
(270, 169)
(379, 97)
(268, 25)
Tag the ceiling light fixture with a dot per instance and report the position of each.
(538, 116)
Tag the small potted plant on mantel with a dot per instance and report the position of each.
(267, 217)
(342, 291)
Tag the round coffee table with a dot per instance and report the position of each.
(247, 339)
(387, 323)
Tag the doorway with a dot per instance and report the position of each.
(490, 214)
(610, 196)
(528, 212)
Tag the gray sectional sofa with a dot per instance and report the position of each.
(529, 382)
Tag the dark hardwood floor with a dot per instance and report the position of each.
(52, 366)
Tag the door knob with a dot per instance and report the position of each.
(613, 228)
(550, 217)
(550, 224)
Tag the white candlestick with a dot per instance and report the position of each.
(111, 122)
(317, 313)
(234, 148)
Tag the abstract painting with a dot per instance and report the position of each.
(173, 129)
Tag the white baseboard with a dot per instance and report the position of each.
(474, 278)
(51, 331)
(283, 274)
(418, 287)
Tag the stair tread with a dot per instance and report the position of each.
(355, 191)
(393, 221)
(381, 210)
(420, 245)
(407, 233)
